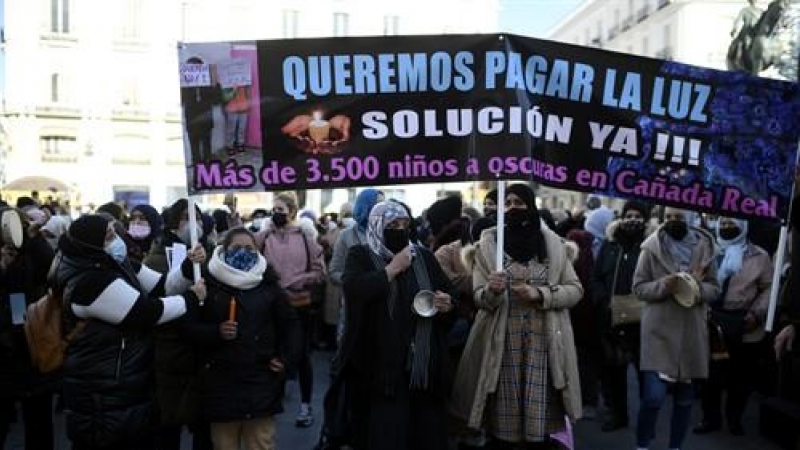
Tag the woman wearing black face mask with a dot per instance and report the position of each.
(675, 351)
(291, 246)
(745, 273)
(521, 347)
(616, 262)
(394, 357)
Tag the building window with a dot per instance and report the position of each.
(667, 37)
(645, 47)
(59, 16)
(55, 84)
(616, 18)
(290, 20)
(391, 25)
(129, 93)
(58, 145)
(131, 20)
(340, 24)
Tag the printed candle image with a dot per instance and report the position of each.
(232, 310)
(319, 129)
(312, 133)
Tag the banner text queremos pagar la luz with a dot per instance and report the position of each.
(344, 112)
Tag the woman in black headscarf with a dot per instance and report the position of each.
(521, 348)
(395, 357)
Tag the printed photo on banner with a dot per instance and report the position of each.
(329, 113)
(219, 98)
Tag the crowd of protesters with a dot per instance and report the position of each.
(434, 346)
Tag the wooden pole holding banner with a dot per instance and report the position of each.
(781, 252)
(501, 221)
(193, 235)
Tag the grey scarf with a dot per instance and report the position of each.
(420, 350)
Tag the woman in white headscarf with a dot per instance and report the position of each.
(55, 227)
(745, 274)
(395, 358)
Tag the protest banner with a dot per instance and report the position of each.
(234, 73)
(195, 75)
(346, 112)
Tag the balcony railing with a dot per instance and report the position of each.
(665, 53)
(642, 14)
(627, 24)
(59, 110)
(60, 157)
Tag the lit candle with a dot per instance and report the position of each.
(232, 310)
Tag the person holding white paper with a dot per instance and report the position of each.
(23, 279)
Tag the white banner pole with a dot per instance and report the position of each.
(501, 220)
(193, 235)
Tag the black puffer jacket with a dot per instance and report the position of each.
(108, 369)
(237, 382)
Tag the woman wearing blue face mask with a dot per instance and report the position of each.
(110, 362)
(249, 335)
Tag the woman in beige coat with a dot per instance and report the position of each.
(674, 336)
(521, 344)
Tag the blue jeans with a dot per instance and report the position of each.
(653, 394)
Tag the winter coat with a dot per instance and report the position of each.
(602, 277)
(27, 276)
(235, 380)
(108, 369)
(479, 369)
(376, 347)
(749, 288)
(674, 338)
(291, 250)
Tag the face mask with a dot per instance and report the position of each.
(677, 229)
(348, 222)
(241, 259)
(139, 230)
(395, 239)
(258, 224)
(279, 219)
(117, 250)
(516, 217)
(632, 228)
(729, 233)
(184, 234)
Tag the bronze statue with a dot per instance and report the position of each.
(754, 47)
